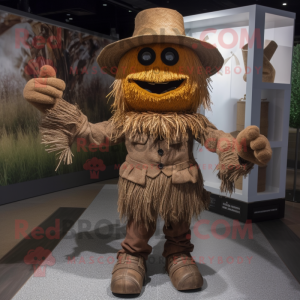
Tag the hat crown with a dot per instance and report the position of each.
(159, 25)
(159, 21)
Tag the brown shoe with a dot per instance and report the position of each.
(183, 272)
(128, 274)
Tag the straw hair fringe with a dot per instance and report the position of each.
(159, 197)
(117, 93)
(168, 126)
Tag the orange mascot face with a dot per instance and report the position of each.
(162, 78)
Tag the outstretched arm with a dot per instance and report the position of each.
(236, 156)
(63, 122)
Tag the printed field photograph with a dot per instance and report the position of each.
(25, 46)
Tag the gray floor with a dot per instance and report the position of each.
(265, 277)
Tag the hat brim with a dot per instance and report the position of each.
(209, 55)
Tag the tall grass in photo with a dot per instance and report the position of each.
(22, 156)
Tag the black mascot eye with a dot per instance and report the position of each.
(169, 56)
(146, 56)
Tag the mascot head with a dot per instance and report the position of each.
(160, 69)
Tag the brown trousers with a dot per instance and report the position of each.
(137, 237)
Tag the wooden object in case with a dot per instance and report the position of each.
(264, 116)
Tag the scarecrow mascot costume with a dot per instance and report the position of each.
(162, 77)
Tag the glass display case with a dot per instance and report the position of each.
(252, 88)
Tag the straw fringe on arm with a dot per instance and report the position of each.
(64, 123)
(229, 166)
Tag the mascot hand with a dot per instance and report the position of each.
(42, 92)
(253, 146)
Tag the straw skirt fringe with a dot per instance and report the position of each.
(159, 197)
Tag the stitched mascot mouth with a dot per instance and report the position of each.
(159, 87)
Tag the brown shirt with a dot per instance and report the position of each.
(147, 156)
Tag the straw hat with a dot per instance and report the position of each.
(159, 25)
